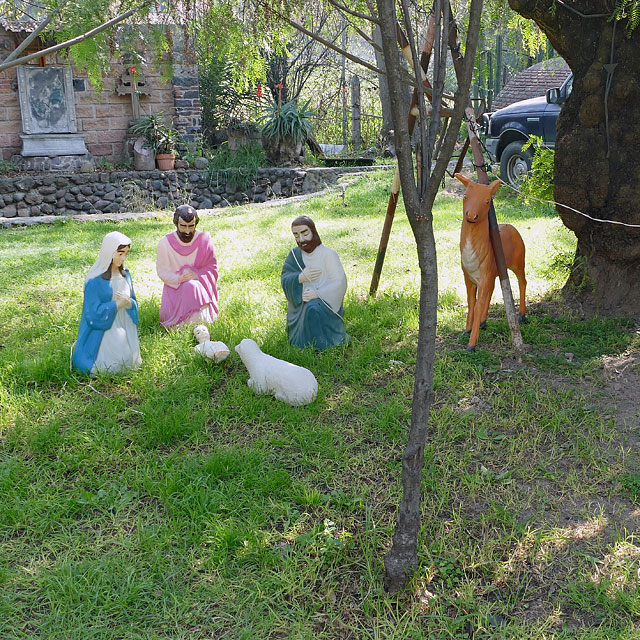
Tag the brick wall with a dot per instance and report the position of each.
(10, 123)
(104, 117)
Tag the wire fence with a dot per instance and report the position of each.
(328, 129)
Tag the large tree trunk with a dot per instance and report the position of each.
(597, 165)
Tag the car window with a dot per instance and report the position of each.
(567, 86)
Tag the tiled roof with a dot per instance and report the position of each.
(17, 26)
(532, 82)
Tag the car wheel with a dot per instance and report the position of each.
(515, 163)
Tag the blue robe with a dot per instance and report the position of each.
(310, 323)
(98, 313)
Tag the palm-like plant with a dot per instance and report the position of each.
(287, 121)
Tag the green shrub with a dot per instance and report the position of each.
(539, 182)
(238, 168)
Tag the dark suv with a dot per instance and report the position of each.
(508, 129)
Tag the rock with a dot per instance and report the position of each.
(10, 211)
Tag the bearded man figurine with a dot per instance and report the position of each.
(314, 284)
(187, 265)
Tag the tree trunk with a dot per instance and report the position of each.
(356, 128)
(402, 558)
(404, 96)
(596, 162)
(383, 92)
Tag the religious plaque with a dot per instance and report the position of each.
(46, 99)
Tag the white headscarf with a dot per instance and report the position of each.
(110, 244)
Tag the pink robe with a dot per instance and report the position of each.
(193, 300)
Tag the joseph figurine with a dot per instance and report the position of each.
(314, 284)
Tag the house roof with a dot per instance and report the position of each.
(18, 26)
(532, 82)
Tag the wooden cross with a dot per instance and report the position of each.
(132, 83)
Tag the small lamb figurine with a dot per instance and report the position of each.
(216, 351)
(289, 382)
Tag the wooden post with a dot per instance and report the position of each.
(411, 121)
(343, 84)
(356, 119)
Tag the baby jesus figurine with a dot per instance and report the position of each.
(216, 351)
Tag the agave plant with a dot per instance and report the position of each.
(158, 131)
(287, 121)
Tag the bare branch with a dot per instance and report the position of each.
(326, 43)
(70, 43)
(355, 14)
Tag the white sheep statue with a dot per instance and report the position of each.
(288, 382)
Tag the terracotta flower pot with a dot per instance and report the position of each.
(165, 161)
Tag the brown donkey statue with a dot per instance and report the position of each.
(478, 260)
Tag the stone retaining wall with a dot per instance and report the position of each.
(29, 195)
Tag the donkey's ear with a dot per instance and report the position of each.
(494, 186)
(465, 181)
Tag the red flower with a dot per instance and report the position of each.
(132, 69)
(259, 91)
(279, 85)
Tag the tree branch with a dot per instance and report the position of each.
(355, 14)
(326, 43)
(69, 43)
(32, 36)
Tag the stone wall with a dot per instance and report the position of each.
(29, 195)
(104, 116)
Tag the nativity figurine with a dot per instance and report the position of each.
(187, 265)
(286, 381)
(314, 284)
(216, 351)
(108, 334)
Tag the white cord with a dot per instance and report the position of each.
(564, 206)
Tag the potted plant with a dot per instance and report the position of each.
(160, 135)
(285, 130)
(166, 149)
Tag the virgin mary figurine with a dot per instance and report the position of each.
(108, 336)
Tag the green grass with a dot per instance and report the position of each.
(172, 502)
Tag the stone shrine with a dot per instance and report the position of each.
(50, 140)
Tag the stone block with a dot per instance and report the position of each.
(33, 197)
(85, 111)
(117, 135)
(10, 211)
(110, 110)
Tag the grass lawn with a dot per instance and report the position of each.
(173, 502)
